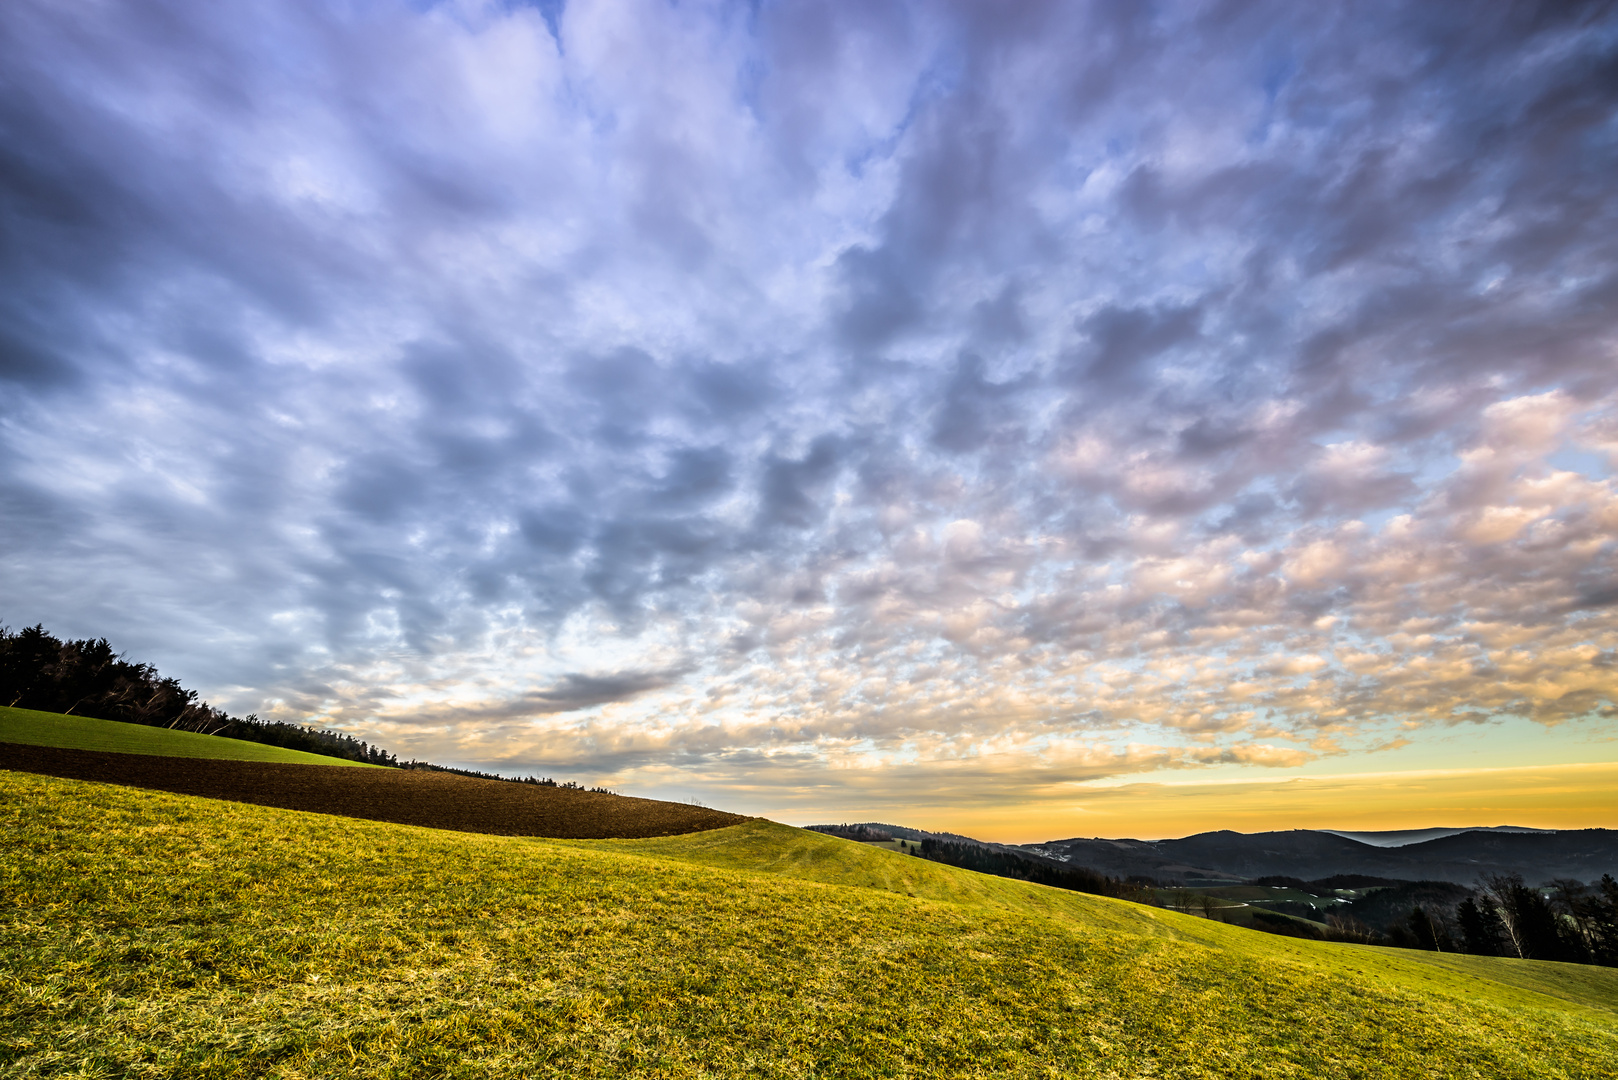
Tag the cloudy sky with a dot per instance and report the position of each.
(1041, 419)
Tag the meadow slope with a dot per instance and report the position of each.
(149, 934)
(29, 727)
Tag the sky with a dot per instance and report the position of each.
(1032, 420)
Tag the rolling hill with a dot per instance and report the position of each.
(1456, 855)
(147, 933)
(436, 800)
(186, 763)
(1460, 857)
(29, 727)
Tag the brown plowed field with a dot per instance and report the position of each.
(436, 800)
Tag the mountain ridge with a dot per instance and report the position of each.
(1461, 856)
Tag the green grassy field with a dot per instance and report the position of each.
(1237, 903)
(83, 733)
(147, 934)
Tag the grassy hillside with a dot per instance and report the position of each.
(777, 849)
(83, 733)
(149, 934)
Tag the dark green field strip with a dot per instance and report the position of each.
(145, 934)
(32, 728)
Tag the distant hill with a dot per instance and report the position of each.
(1460, 857)
(1404, 837)
(876, 831)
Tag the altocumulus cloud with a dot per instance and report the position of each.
(821, 398)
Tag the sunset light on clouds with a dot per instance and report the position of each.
(1032, 420)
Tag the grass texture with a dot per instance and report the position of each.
(33, 728)
(145, 934)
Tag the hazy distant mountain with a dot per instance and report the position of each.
(1458, 855)
(1403, 837)
(1450, 855)
(878, 830)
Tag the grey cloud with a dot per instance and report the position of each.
(791, 489)
(1207, 437)
(381, 489)
(1122, 341)
(695, 476)
(1001, 319)
(1599, 597)
(1249, 516)
(728, 392)
(880, 301)
(974, 409)
(576, 691)
(558, 530)
(28, 360)
(460, 377)
(622, 391)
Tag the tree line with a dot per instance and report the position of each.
(89, 678)
(1570, 921)
(1502, 915)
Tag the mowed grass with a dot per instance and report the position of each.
(33, 728)
(147, 934)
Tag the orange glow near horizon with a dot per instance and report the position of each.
(1550, 797)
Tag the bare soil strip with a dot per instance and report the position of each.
(436, 800)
